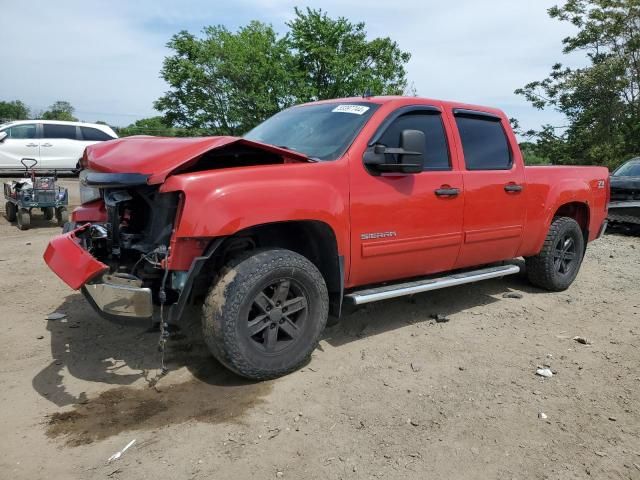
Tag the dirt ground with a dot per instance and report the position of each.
(390, 392)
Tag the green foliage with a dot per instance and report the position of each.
(15, 110)
(158, 126)
(601, 101)
(228, 82)
(335, 59)
(60, 110)
(532, 156)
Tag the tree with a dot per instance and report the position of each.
(14, 110)
(148, 126)
(228, 82)
(602, 100)
(60, 110)
(335, 59)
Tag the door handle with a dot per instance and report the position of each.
(447, 192)
(512, 187)
(31, 145)
(46, 145)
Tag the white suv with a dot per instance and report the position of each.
(54, 144)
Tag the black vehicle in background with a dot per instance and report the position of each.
(624, 206)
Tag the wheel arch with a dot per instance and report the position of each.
(313, 239)
(577, 210)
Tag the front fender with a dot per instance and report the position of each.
(223, 202)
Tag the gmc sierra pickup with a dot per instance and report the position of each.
(335, 202)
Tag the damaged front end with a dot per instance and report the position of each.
(121, 249)
(120, 261)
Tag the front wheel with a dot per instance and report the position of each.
(23, 216)
(556, 266)
(264, 316)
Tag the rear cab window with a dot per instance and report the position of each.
(59, 131)
(484, 141)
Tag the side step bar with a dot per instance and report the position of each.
(400, 289)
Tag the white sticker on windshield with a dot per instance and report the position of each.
(355, 109)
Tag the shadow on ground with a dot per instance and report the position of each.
(91, 349)
(38, 221)
(381, 317)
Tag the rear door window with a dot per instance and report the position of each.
(59, 131)
(484, 143)
(91, 134)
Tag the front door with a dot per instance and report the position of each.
(21, 142)
(406, 225)
(494, 211)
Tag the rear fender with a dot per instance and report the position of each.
(561, 193)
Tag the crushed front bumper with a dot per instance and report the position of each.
(116, 297)
(120, 297)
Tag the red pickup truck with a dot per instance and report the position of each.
(342, 201)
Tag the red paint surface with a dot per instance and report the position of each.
(90, 212)
(69, 261)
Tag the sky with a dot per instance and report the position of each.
(105, 56)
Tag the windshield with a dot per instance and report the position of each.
(630, 169)
(321, 131)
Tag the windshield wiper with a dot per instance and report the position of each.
(313, 159)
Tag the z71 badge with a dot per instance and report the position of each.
(372, 236)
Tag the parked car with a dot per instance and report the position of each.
(55, 145)
(625, 193)
(343, 201)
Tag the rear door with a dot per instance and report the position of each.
(21, 142)
(403, 225)
(494, 210)
(60, 147)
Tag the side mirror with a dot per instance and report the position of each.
(3, 135)
(409, 157)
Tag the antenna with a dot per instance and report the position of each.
(367, 93)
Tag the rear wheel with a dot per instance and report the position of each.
(48, 213)
(556, 266)
(23, 216)
(264, 316)
(62, 215)
(10, 211)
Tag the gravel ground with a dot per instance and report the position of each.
(390, 392)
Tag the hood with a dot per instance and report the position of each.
(158, 157)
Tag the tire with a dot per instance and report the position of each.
(62, 215)
(556, 266)
(23, 217)
(253, 291)
(48, 213)
(10, 211)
